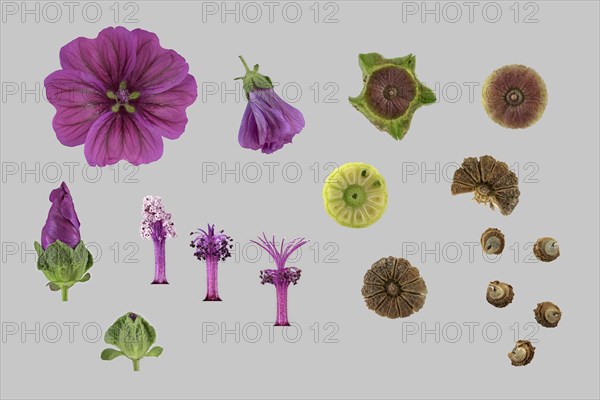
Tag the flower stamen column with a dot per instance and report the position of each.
(282, 276)
(157, 225)
(211, 247)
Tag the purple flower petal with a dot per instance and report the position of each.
(110, 57)
(166, 111)
(62, 222)
(79, 101)
(269, 122)
(249, 135)
(121, 136)
(156, 69)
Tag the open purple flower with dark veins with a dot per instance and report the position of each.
(211, 247)
(157, 225)
(62, 222)
(120, 94)
(269, 122)
(282, 276)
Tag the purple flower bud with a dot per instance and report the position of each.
(133, 316)
(62, 222)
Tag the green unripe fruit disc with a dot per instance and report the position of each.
(355, 195)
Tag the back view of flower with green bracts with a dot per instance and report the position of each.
(133, 336)
(391, 92)
(62, 256)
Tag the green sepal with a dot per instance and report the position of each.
(38, 248)
(110, 354)
(397, 127)
(254, 80)
(154, 352)
(133, 338)
(64, 266)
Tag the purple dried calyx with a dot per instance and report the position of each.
(211, 247)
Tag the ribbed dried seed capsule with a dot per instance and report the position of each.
(522, 353)
(546, 249)
(393, 288)
(491, 181)
(547, 314)
(499, 294)
(492, 241)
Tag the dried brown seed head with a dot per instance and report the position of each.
(547, 314)
(491, 181)
(522, 353)
(515, 96)
(499, 294)
(492, 241)
(393, 288)
(546, 249)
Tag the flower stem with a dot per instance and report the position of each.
(160, 271)
(281, 290)
(245, 65)
(212, 279)
(65, 293)
(136, 365)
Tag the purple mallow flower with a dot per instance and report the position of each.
(62, 222)
(211, 247)
(157, 225)
(120, 94)
(282, 276)
(269, 122)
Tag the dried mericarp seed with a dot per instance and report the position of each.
(546, 249)
(492, 241)
(492, 182)
(393, 288)
(499, 294)
(515, 96)
(547, 314)
(391, 93)
(522, 353)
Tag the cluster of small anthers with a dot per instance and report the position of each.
(286, 275)
(153, 211)
(208, 244)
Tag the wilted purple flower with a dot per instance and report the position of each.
(62, 222)
(282, 276)
(157, 225)
(120, 94)
(211, 247)
(268, 122)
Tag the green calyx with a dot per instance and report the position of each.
(391, 92)
(253, 80)
(133, 336)
(64, 266)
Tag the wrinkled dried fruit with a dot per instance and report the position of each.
(546, 249)
(393, 288)
(515, 96)
(547, 314)
(522, 353)
(492, 241)
(391, 92)
(499, 294)
(492, 181)
(355, 195)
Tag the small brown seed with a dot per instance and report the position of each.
(546, 249)
(492, 241)
(499, 294)
(522, 353)
(547, 314)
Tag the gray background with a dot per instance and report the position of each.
(371, 359)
